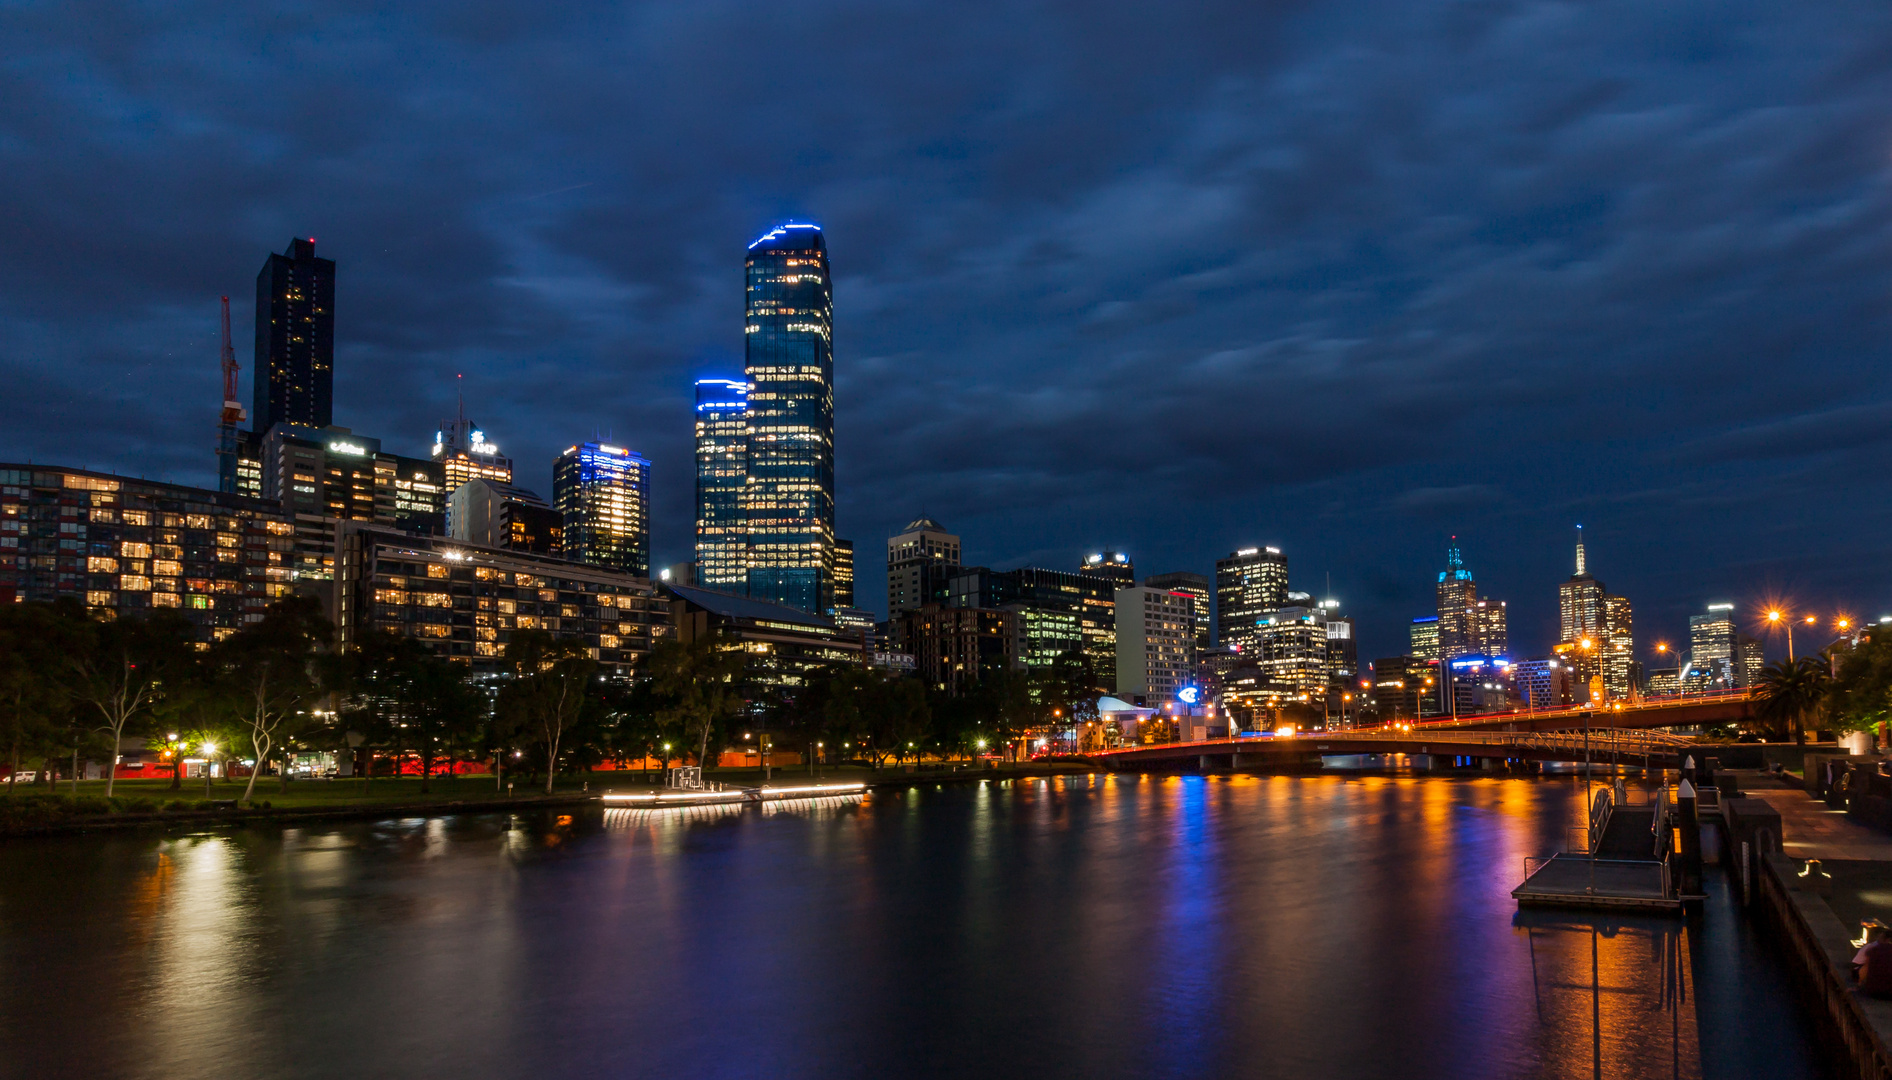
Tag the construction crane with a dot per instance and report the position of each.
(233, 413)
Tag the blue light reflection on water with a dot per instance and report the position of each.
(1102, 926)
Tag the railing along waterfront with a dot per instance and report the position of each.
(1589, 709)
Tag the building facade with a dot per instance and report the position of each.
(493, 514)
(464, 454)
(602, 495)
(1156, 643)
(294, 373)
(129, 547)
(784, 645)
(1197, 586)
(722, 474)
(1050, 605)
(465, 602)
(1598, 635)
(954, 648)
(844, 573)
(1247, 583)
(788, 502)
(1423, 637)
(1291, 644)
(333, 472)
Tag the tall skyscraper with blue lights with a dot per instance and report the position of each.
(602, 495)
(788, 501)
(722, 474)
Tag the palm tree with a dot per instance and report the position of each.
(1790, 691)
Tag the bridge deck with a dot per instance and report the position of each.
(1566, 881)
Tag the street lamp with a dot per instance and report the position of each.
(1778, 618)
(209, 749)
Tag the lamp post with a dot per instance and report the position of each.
(1778, 618)
(209, 749)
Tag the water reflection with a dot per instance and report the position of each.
(1101, 926)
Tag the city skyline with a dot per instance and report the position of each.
(1018, 277)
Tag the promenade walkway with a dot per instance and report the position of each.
(1810, 829)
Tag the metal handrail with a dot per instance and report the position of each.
(1600, 808)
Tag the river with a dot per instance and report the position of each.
(1121, 926)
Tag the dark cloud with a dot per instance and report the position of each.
(1342, 279)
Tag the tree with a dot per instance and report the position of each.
(700, 682)
(119, 668)
(1790, 691)
(271, 674)
(1860, 696)
(408, 698)
(550, 689)
(33, 638)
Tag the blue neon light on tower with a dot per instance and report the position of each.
(722, 472)
(788, 502)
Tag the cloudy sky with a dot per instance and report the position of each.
(1345, 279)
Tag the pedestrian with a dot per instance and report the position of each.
(1872, 964)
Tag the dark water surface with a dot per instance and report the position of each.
(1089, 927)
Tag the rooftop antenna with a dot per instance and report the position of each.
(1580, 570)
(232, 414)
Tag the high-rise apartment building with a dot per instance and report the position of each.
(921, 561)
(1543, 683)
(953, 648)
(1343, 648)
(1247, 583)
(1195, 585)
(1598, 638)
(1424, 637)
(722, 475)
(1156, 643)
(1405, 688)
(602, 495)
(294, 375)
(788, 502)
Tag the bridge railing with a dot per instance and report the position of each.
(1640, 704)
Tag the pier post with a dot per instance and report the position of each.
(1202, 762)
(1690, 880)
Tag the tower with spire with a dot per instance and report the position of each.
(1596, 634)
(463, 452)
(1468, 626)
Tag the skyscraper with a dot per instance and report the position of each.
(1247, 583)
(1113, 566)
(789, 365)
(1457, 593)
(920, 564)
(1598, 639)
(722, 474)
(1100, 575)
(844, 573)
(602, 495)
(1156, 643)
(294, 374)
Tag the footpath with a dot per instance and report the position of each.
(1830, 874)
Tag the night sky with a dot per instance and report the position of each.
(1343, 279)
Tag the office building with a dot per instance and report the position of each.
(1247, 583)
(1488, 624)
(1195, 585)
(333, 472)
(1720, 656)
(722, 474)
(844, 573)
(1457, 592)
(1050, 605)
(783, 645)
(465, 602)
(921, 561)
(602, 495)
(497, 515)
(129, 547)
(464, 454)
(1112, 566)
(294, 374)
(1479, 684)
(1543, 683)
(1097, 623)
(1404, 688)
(1292, 647)
(788, 502)
(1598, 639)
(1156, 644)
(1424, 637)
(1343, 651)
(954, 648)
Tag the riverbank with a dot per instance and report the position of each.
(153, 803)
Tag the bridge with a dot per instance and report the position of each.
(1629, 746)
(1692, 710)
